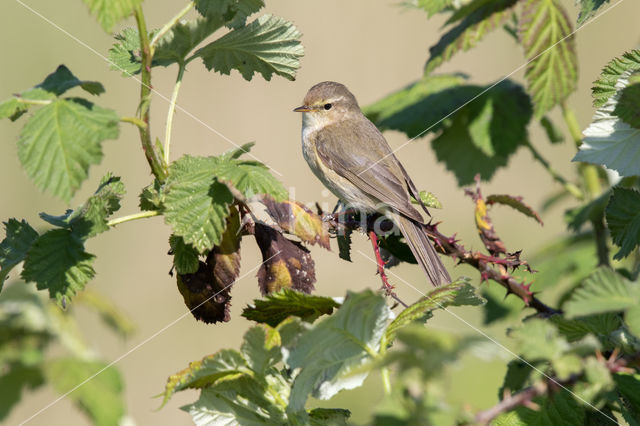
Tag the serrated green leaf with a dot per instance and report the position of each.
(552, 65)
(177, 43)
(329, 353)
(57, 261)
(276, 307)
(151, 197)
(605, 86)
(62, 79)
(124, 55)
(12, 108)
(233, 12)
(457, 293)
(433, 7)
(251, 178)
(15, 379)
(18, 239)
(455, 146)
(588, 8)
(421, 106)
(515, 203)
(538, 340)
(110, 12)
(629, 386)
(608, 140)
(600, 325)
(623, 220)
(205, 372)
(196, 204)
(604, 291)
(60, 142)
(100, 396)
(628, 106)
(557, 408)
(268, 45)
(477, 19)
(258, 356)
(185, 257)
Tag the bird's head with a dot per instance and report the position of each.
(328, 102)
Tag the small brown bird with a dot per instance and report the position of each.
(354, 161)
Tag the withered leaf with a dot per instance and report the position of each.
(207, 291)
(515, 203)
(293, 217)
(286, 263)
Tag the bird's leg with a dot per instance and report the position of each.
(383, 276)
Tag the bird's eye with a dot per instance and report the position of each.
(327, 106)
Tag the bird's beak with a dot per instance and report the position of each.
(302, 108)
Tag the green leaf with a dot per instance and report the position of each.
(90, 219)
(433, 7)
(178, 42)
(632, 320)
(255, 351)
(538, 340)
(57, 261)
(12, 108)
(421, 106)
(516, 378)
(629, 386)
(196, 204)
(233, 12)
(185, 257)
(608, 140)
(601, 325)
(515, 203)
(200, 374)
(62, 79)
(101, 394)
(110, 12)
(60, 142)
(18, 239)
(429, 200)
(330, 352)
(457, 293)
(593, 212)
(588, 8)
(477, 19)
(604, 291)
(623, 220)
(276, 307)
(464, 153)
(251, 178)
(14, 379)
(605, 86)
(552, 68)
(329, 416)
(268, 45)
(124, 55)
(628, 107)
(554, 134)
(557, 408)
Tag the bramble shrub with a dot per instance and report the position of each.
(576, 355)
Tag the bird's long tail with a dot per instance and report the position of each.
(416, 237)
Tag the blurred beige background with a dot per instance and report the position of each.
(372, 47)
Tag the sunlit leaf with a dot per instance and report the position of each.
(623, 220)
(605, 86)
(19, 236)
(588, 8)
(604, 291)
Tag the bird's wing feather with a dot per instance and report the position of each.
(384, 180)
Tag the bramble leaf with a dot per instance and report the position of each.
(623, 220)
(628, 107)
(608, 140)
(477, 19)
(593, 211)
(588, 8)
(268, 45)
(233, 12)
(178, 42)
(295, 218)
(557, 408)
(552, 68)
(61, 140)
(515, 203)
(433, 7)
(18, 239)
(57, 261)
(124, 55)
(62, 79)
(605, 86)
(538, 340)
(604, 291)
(185, 257)
(110, 12)
(277, 306)
(100, 396)
(329, 354)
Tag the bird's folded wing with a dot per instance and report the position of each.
(369, 164)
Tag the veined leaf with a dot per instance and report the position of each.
(608, 140)
(538, 340)
(476, 20)
(605, 86)
(604, 291)
(57, 261)
(329, 353)
(101, 397)
(60, 142)
(124, 55)
(233, 12)
(623, 219)
(588, 8)
(185, 257)
(18, 238)
(268, 45)
(550, 51)
(109, 12)
(176, 44)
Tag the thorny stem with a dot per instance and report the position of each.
(172, 22)
(568, 186)
(135, 216)
(171, 113)
(154, 157)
